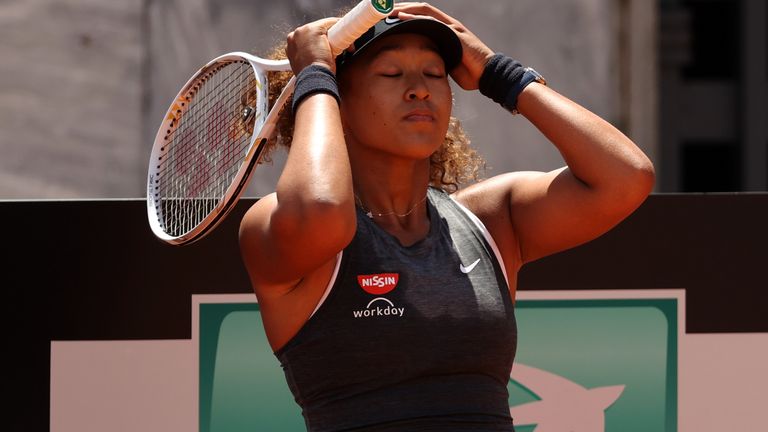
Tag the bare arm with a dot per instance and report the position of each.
(311, 216)
(536, 214)
(606, 178)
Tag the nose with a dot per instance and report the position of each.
(417, 90)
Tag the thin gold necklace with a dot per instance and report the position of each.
(371, 214)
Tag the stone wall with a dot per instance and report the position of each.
(86, 81)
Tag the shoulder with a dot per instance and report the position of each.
(490, 201)
(487, 198)
(494, 197)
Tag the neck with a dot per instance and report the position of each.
(372, 214)
(382, 189)
(395, 198)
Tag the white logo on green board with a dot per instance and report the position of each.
(565, 406)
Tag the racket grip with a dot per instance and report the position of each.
(356, 22)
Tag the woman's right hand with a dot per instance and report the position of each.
(475, 53)
(309, 44)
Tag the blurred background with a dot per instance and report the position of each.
(85, 83)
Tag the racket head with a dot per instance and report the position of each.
(207, 145)
(182, 204)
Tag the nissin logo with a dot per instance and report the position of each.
(378, 284)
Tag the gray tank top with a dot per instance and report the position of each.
(409, 338)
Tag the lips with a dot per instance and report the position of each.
(420, 115)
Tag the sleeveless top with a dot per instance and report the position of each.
(409, 338)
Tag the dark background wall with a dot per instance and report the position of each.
(92, 270)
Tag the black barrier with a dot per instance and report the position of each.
(92, 270)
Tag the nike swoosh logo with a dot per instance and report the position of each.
(469, 267)
(391, 20)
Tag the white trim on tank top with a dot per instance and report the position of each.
(487, 236)
(330, 284)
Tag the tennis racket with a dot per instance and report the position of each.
(215, 132)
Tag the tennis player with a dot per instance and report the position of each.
(386, 286)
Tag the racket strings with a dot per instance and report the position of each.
(208, 184)
(205, 151)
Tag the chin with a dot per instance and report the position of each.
(422, 149)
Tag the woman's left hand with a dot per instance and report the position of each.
(475, 53)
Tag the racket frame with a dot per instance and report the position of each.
(264, 125)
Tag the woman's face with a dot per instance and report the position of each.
(395, 98)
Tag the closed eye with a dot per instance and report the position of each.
(434, 71)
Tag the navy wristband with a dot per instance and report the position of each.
(503, 80)
(314, 79)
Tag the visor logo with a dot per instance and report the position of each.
(383, 6)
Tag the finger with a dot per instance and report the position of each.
(308, 44)
(424, 9)
(319, 26)
(327, 23)
(405, 16)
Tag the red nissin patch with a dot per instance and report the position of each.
(378, 284)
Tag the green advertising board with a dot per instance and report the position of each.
(587, 361)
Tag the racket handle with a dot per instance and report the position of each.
(356, 22)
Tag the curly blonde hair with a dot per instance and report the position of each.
(455, 163)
